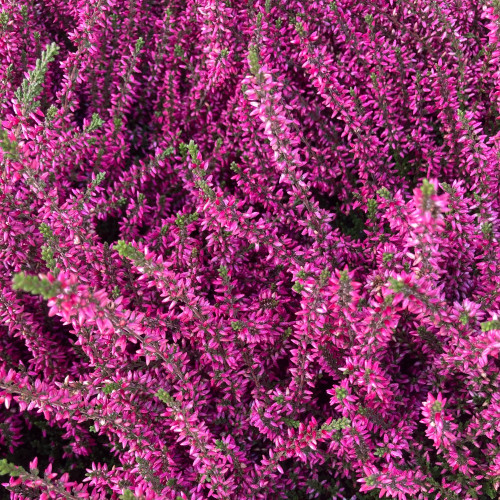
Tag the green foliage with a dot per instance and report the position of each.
(46, 231)
(381, 451)
(127, 495)
(31, 87)
(165, 397)
(220, 445)
(111, 387)
(95, 182)
(344, 276)
(168, 152)
(371, 480)
(302, 275)
(299, 26)
(487, 229)
(291, 422)
(203, 186)
(9, 147)
(341, 393)
(51, 113)
(487, 326)
(253, 60)
(6, 468)
(372, 208)
(387, 257)
(179, 51)
(396, 285)
(384, 193)
(95, 123)
(48, 257)
(117, 122)
(125, 249)
(35, 285)
(98, 179)
(139, 44)
(258, 21)
(427, 188)
(9, 72)
(224, 272)
(338, 424)
(437, 406)
(324, 277)
(183, 150)
(183, 220)
(4, 19)
(193, 152)
(488, 489)
(237, 326)
(464, 317)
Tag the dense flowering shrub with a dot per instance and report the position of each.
(250, 249)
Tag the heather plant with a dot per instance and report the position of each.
(250, 249)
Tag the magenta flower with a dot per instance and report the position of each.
(249, 250)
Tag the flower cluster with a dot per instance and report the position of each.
(250, 249)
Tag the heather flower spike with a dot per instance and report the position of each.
(249, 250)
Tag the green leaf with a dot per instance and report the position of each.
(487, 326)
(6, 468)
(95, 123)
(36, 285)
(127, 250)
(111, 387)
(31, 87)
(127, 495)
(253, 60)
(9, 147)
